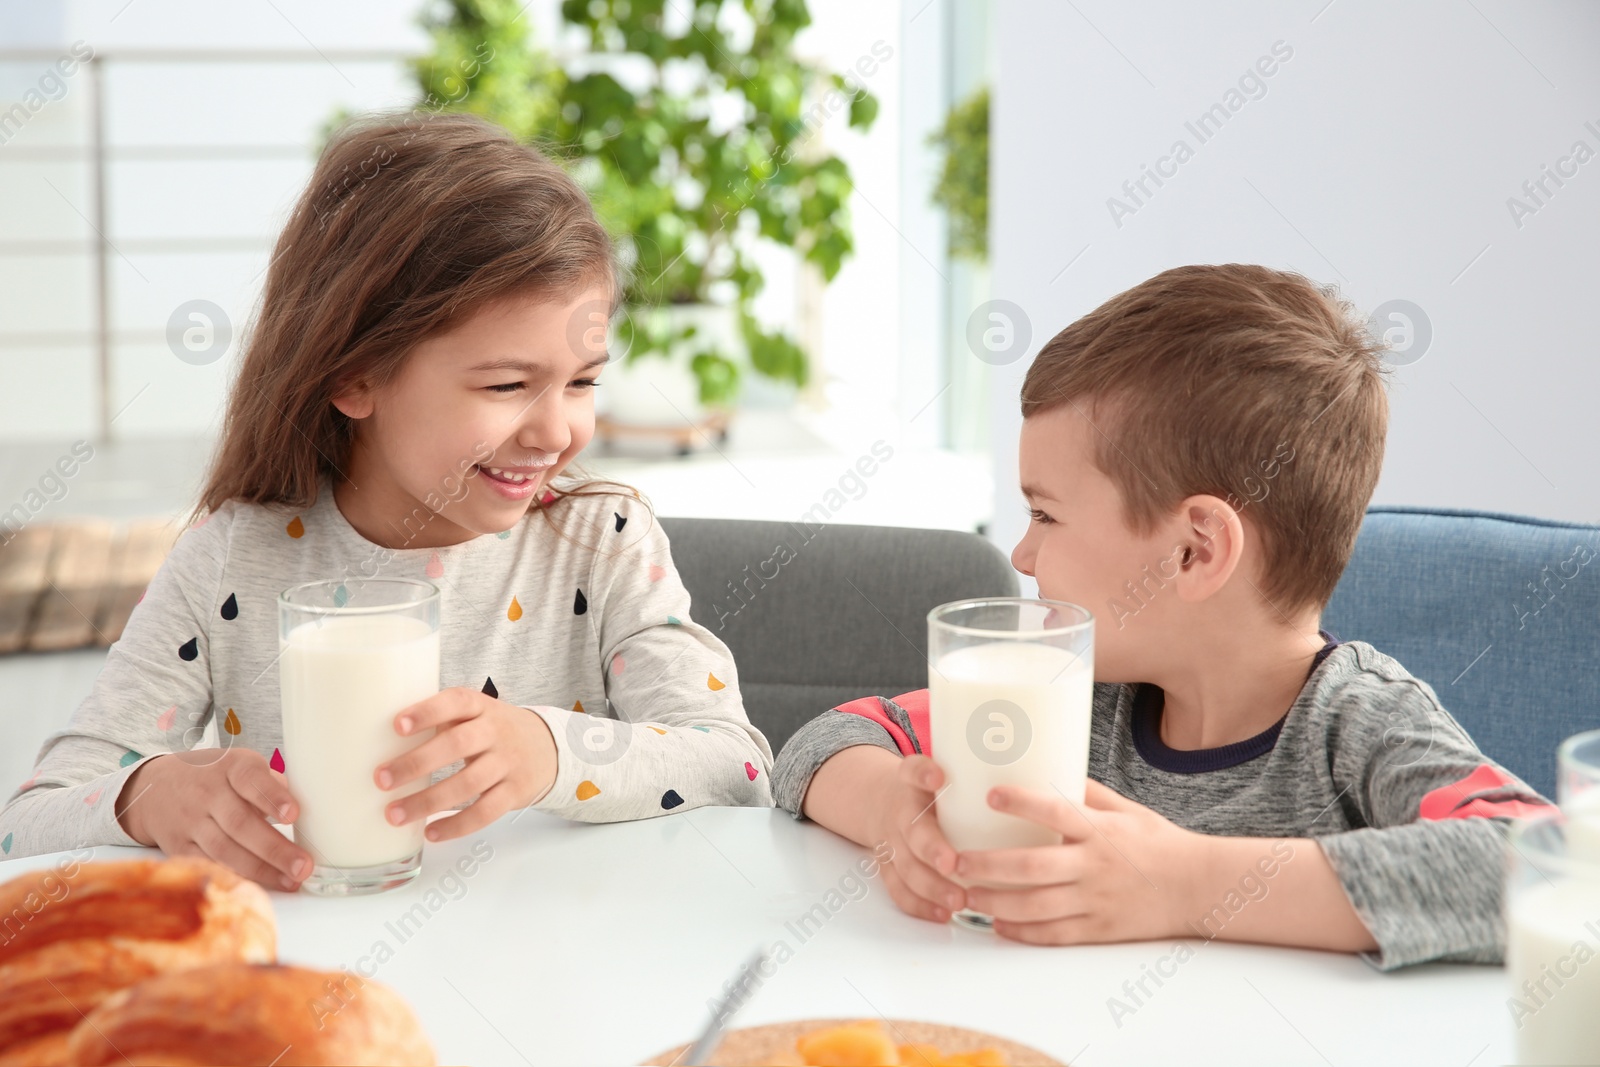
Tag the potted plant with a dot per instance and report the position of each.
(642, 120)
(963, 185)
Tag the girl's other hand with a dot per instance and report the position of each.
(509, 752)
(216, 803)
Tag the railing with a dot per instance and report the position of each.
(97, 153)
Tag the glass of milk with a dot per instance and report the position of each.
(1553, 942)
(1011, 684)
(1578, 788)
(353, 654)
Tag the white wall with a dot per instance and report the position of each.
(1380, 157)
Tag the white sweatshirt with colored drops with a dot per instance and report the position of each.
(576, 620)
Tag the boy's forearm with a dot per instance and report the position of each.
(1274, 892)
(849, 791)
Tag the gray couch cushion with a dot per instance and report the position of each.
(817, 615)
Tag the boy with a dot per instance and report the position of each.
(1197, 455)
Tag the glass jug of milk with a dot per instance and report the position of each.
(354, 653)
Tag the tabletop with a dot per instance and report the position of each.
(602, 944)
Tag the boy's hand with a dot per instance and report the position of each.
(1121, 873)
(917, 876)
(511, 761)
(216, 803)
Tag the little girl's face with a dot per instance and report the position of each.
(509, 389)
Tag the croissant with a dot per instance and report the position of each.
(240, 1013)
(71, 936)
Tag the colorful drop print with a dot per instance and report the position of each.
(276, 762)
(435, 567)
(92, 798)
(714, 684)
(577, 706)
(548, 498)
(618, 664)
(587, 789)
(514, 612)
(503, 534)
(702, 729)
(657, 572)
(670, 799)
(128, 758)
(230, 607)
(750, 771)
(189, 650)
(165, 720)
(5, 845)
(341, 596)
(490, 689)
(622, 520)
(580, 603)
(659, 730)
(673, 620)
(231, 723)
(296, 528)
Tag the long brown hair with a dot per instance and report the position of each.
(410, 223)
(1245, 382)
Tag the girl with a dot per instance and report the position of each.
(421, 375)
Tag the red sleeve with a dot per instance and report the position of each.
(914, 704)
(1485, 793)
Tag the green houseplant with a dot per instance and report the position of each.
(963, 186)
(639, 118)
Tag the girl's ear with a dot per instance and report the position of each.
(354, 400)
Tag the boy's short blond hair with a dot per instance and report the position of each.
(1247, 383)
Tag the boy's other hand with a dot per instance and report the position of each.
(918, 875)
(1121, 873)
(216, 803)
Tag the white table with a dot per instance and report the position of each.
(581, 944)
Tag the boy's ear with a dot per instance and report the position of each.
(1211, 540)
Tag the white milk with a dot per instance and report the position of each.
(1553, 936)
(343, 680)
(1054, 689)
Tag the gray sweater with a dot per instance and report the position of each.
(586, 624)
(1367, 762)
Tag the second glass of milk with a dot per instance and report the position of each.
(1010, 688)
(1553, 940)
(354, 654)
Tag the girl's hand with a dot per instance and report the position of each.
(216, 803)
(917, 875)
(511, 761)
(1121, 873)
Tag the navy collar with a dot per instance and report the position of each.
(1148, 701)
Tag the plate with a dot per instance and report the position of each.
(760, 1044)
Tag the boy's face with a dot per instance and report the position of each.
(1080, 549)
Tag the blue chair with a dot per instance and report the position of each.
(1499, 614)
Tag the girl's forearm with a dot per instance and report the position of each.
(1275, 892)
(849, 792)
